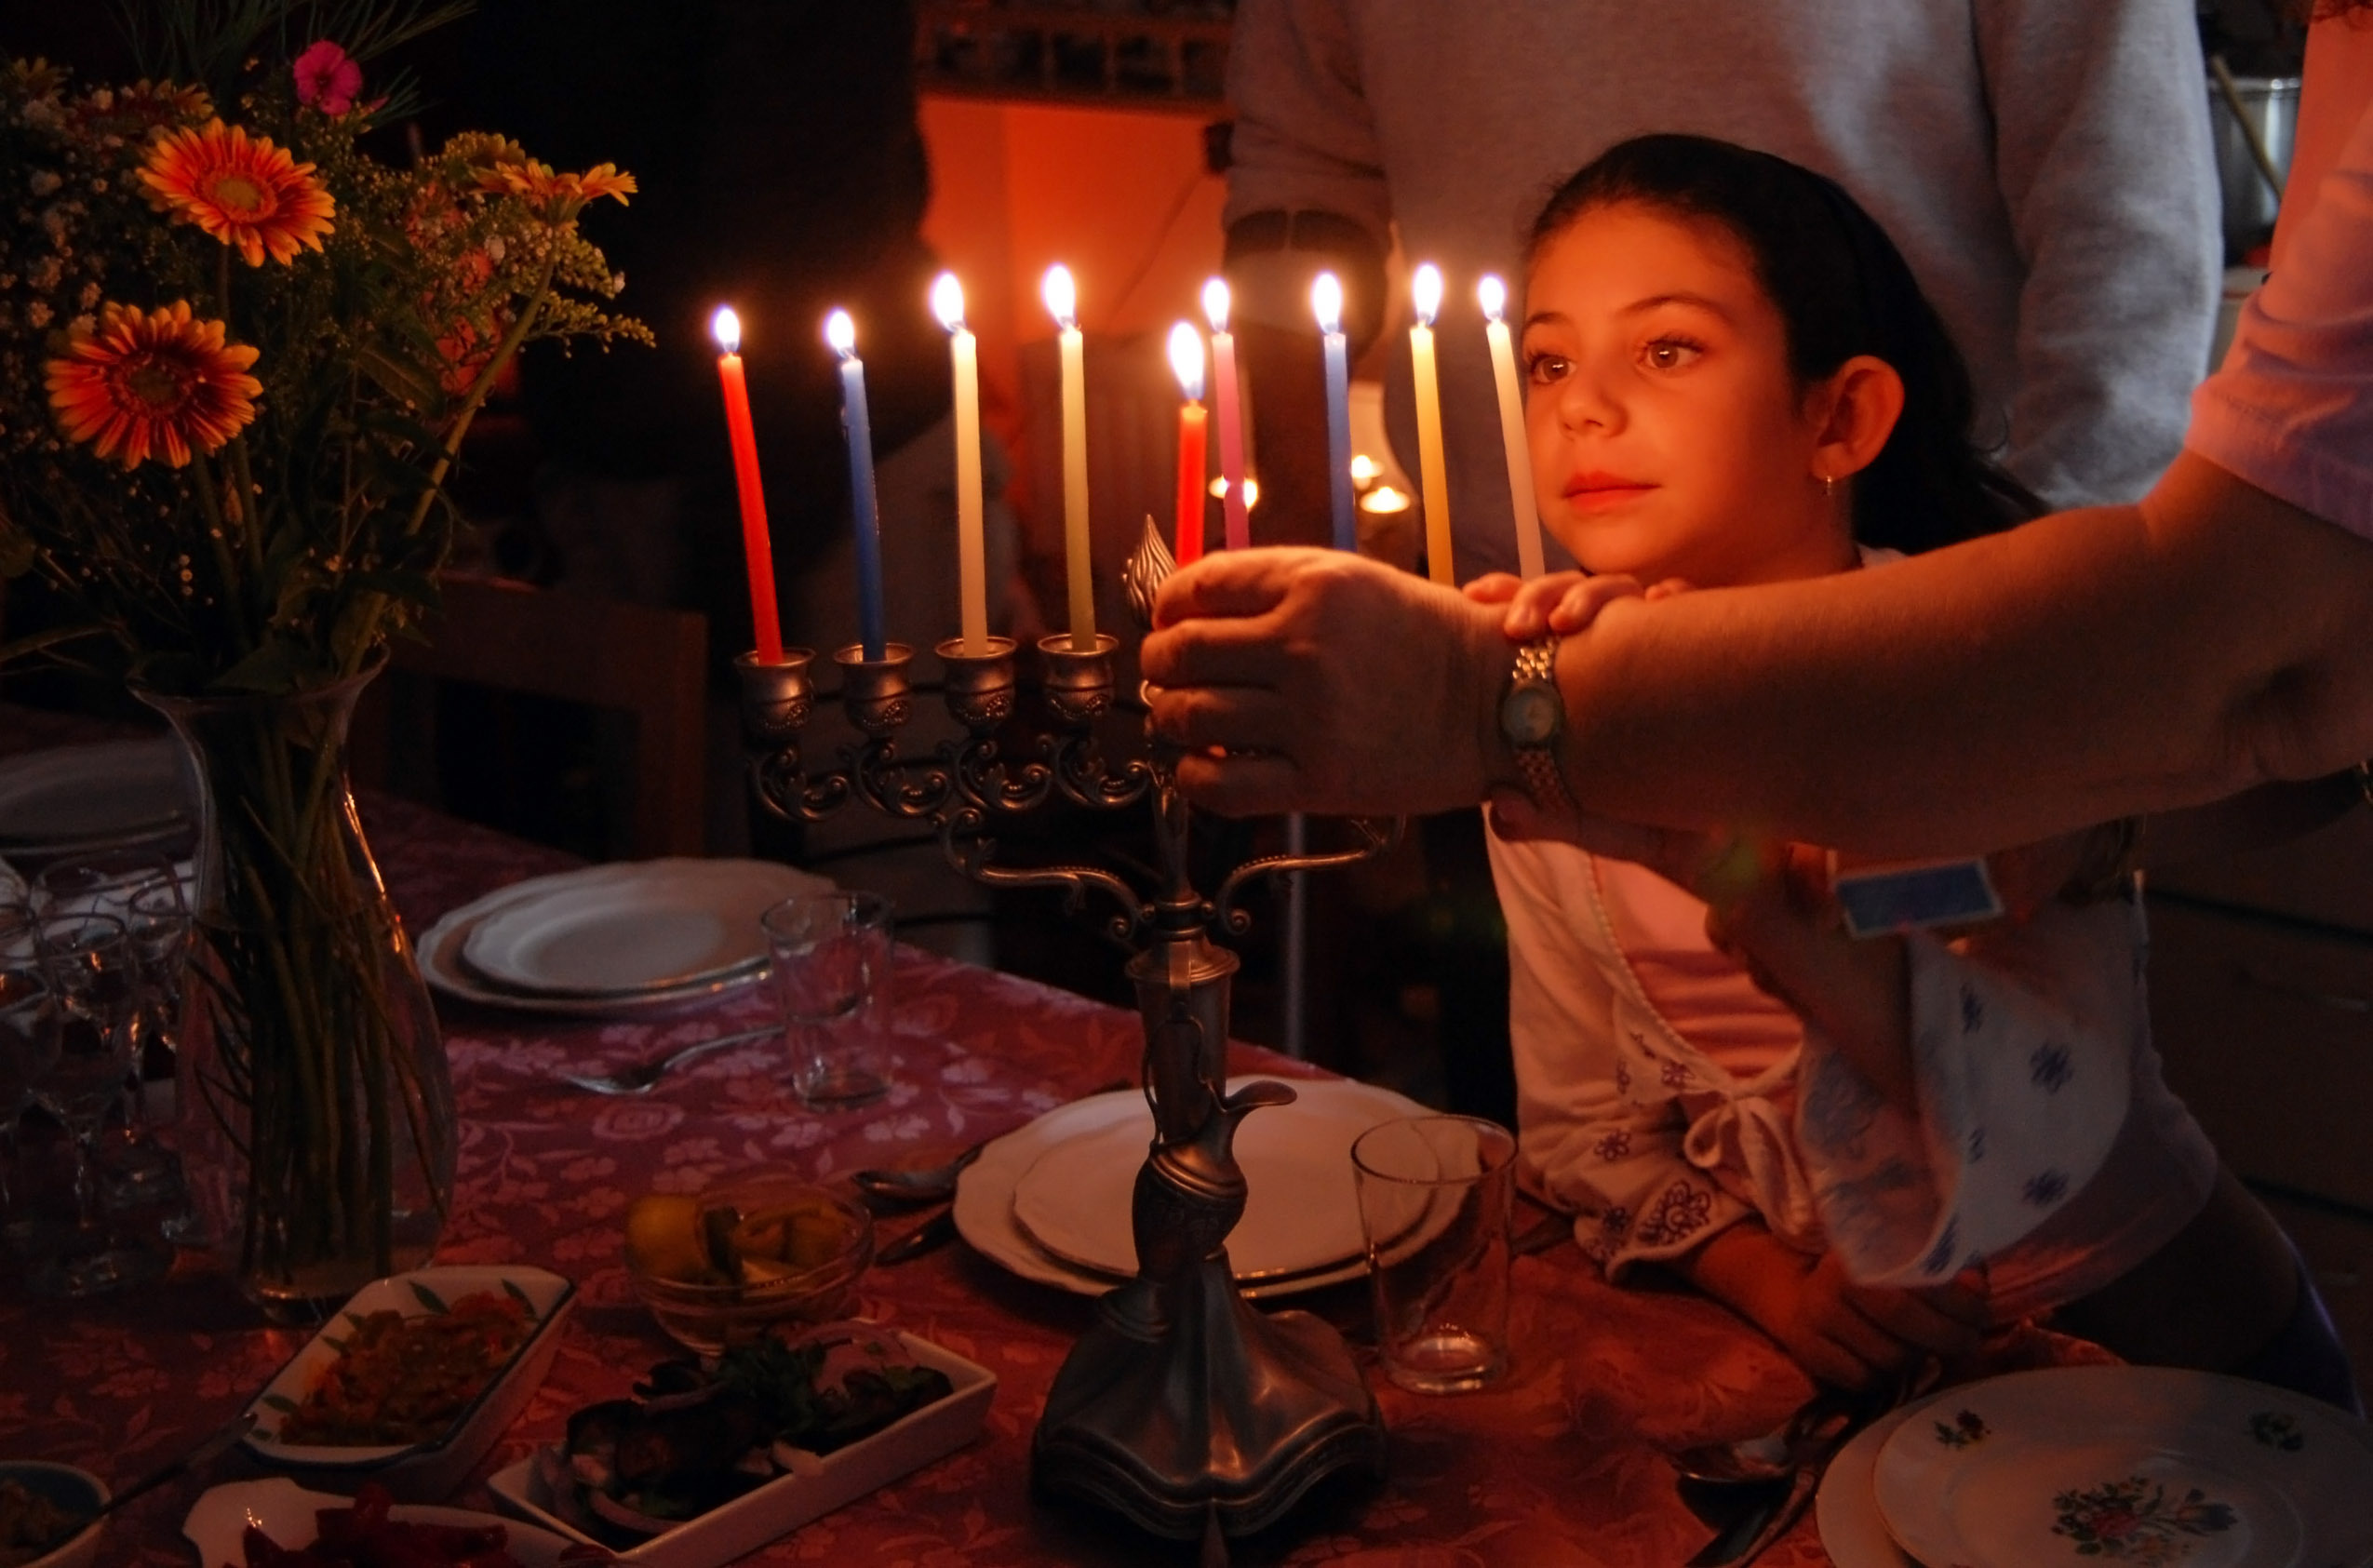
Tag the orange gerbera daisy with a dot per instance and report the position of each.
(538, 182)
(153, 381)
(242, 189)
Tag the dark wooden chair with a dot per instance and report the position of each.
(603, 654)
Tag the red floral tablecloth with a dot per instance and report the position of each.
(1561, 1463)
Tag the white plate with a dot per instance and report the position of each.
(440, 952)
(2150, 1465)
(985, 1193)
(647, 925)
(217, 1522)
(76, 799)
(785, 1503)
(416, 1471)
(1851, 1531)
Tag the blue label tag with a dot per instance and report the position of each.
(1886, 899)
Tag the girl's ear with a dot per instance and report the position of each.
(1852, 412)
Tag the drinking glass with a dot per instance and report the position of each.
(97, 978)
(832, 983)
(1435, 1196)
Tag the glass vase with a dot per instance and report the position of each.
(316, 1113)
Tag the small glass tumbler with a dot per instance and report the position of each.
(832, 983)
(1435, 1196)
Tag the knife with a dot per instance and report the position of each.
(934, 1232)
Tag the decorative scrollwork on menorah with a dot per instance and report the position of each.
(1183, 1407)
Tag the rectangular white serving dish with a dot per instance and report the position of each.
(416, 1472)
(789, 1501)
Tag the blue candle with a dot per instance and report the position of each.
(1327, 299)
(864, 508)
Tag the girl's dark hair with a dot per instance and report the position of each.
(1842, 289)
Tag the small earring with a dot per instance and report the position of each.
(1829, 485)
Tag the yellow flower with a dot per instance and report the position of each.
(161, 381)
(535, 181)
(242, 189)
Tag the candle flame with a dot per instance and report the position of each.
(1492, 294)
(947, 301)
(1424, 292)
(841, 333)
(1326, 300)
(1186, 360)
(1384, 498)
(1062, 295)
(1365, 470)
(1216, 303)
(725, 327)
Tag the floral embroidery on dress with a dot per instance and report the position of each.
(1939, 1259)
(1614, 1145)
(1617, 1220)
(1964, 1430)
(1673, 1074)
(2135, 1521)
(2044, 1188)
(1622, 1077)
(2049, 1068)
(2277, 1430)
(1681, 1211)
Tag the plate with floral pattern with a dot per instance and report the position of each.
(2146, 1467)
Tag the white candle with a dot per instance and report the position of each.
(972, 550)
(1228, 408)
(1326, 303)
(1433, 478)
(1492, 295)
(1063, 302)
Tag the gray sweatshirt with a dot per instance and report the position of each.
(2043, 165)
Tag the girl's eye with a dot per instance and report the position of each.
(1543, 368)
(1670, 354)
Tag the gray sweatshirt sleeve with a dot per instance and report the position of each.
(2102, 156)
(1303, 138)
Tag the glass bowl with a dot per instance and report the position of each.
(721, 1267)
(77, 1493)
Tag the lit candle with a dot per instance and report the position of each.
(1186, 359)
(971, 552)
(1492, 295)
(1062, 303)
(864, 510)
(1326, 303)
(756, 548)
(1235, 505)
(1433, 477)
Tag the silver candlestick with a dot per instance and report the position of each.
(1183, 1407)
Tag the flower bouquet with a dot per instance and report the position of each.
(238, 354)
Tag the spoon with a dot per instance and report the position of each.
(1774, 1455)
(933, 1183)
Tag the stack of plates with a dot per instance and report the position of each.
(2086, 1465)
(1051, 1201)
(610, 938)
(83, 799)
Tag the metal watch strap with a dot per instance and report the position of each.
(1537, 764)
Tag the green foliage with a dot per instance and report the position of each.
(284, 559)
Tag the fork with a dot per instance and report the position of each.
(641, 1076)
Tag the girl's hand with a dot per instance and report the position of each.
(1854, 1335)
(1562, 602)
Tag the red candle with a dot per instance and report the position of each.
(1187, 358)
(755, 542)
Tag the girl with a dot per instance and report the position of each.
(1734, 380)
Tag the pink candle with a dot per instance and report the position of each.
(1186, 359)
(1231, 409)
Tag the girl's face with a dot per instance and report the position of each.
(1670, 438)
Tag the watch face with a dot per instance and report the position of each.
(1530, 716)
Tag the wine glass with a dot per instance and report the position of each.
(28, 1027)
(96, 976)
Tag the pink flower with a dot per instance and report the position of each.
(327, 80)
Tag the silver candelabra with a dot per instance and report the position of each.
(1183, 1407)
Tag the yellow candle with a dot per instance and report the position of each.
(1061, 303)
(1492, 295)
(972, 550)
(1433, 479)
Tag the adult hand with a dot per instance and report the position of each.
(1315, 680)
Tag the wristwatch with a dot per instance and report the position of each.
(1532, 717)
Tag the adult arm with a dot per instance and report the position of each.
(2102, 159)
(2086, 667)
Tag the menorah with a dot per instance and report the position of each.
(1182, 1407)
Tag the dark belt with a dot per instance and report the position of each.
(1326, 234)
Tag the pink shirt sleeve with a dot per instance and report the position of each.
(2291, 408)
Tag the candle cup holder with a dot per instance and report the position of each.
(980, 686)
(1079, 680)
(776, 698)
(875, 692)
(1183, 1407)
